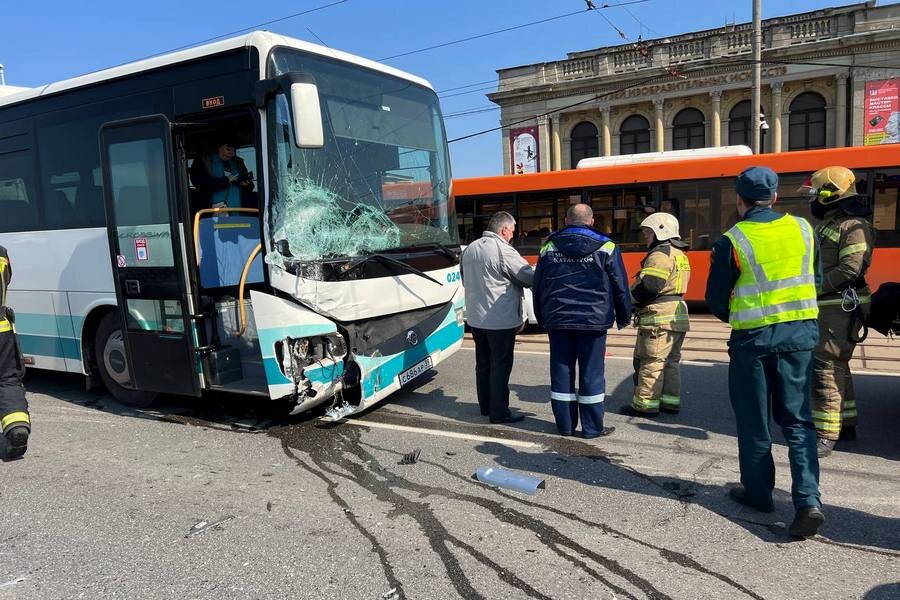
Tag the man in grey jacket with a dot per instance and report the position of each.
(494, 275)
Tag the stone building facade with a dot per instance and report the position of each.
(693, 90)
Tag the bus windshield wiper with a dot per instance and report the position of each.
(387, 260)
(437, 246)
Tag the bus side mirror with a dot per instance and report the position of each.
(307, 115)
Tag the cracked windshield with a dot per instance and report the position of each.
(380, 182)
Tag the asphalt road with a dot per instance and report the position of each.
(216, 499)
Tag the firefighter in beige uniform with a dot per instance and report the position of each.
(846, 239)
(661, 317)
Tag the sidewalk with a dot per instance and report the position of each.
(707, 341)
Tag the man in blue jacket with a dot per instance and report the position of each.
(580, 290)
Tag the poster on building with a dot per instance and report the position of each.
(524, 152)
(882, 116)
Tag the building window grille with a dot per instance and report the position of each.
(807, 122)
(634, 135)
(584, 142)
(688, 130)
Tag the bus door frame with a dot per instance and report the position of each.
(163, 355)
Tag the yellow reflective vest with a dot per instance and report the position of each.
(777, 281)
(672, 270)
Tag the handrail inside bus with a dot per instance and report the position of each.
(207, 211)
(241, 289)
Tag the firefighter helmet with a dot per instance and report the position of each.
(664, 226)
(831, 184)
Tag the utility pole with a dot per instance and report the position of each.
(757, 56)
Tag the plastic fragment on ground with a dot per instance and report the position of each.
(511, 480)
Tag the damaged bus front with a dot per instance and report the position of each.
(360, 236)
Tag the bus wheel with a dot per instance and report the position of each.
(109, 348)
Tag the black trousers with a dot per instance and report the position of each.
(493, 364)
(13, 406)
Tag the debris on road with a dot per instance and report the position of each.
(12, 582)
(202, 526)
(391, 594)
(509, 479)
(450, 453)
(411, 458)
(269, 506)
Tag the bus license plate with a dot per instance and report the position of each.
(411, 373)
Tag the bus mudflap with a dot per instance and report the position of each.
(302, 352)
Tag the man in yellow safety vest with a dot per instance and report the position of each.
(762, 281)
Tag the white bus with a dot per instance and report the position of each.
(333, 275)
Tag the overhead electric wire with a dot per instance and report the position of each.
(498, 31)
(263, 24)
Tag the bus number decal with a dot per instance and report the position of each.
(453, 277)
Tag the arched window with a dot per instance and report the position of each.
(584, 142)
(807, 122)
(688, 130)
(634, 135)
(739, 124)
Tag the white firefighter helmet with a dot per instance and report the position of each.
(664, 226)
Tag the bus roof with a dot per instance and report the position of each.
(264, 41)
(887, 155)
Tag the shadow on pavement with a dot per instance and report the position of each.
(877, 399)
(843, 526)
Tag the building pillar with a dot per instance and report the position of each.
(659, 126)
(716, 97)
(605, 137)
(776, 116)
(543, 143)
(840, 111)
(556, 153)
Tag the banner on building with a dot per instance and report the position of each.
(524, 152)
(882, 106)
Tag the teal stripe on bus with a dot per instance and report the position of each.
(43, 324)
(45, 345)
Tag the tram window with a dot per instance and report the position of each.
(705, 207)
(535, 220)
(17, 203)
(791, 199)
(886, 200)
(618, 213)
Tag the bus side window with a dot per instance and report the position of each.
(885, 200)
(17, 206)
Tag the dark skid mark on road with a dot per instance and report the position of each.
(386, 566)
(669, 555)
(381, 482)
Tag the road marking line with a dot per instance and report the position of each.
(450, 434)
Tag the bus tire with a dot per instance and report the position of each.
(109, 350)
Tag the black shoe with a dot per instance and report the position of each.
(16, 443)
(824, 447)
(848, 433)
(807, 522)
(739, 495)
(602, 433)
(630, 411)
(670, 409)
(510, 418)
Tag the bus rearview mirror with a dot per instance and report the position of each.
(307, 115)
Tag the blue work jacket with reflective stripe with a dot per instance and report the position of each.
(724, 273)
(580, 282)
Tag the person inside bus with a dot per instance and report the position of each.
(221, 178)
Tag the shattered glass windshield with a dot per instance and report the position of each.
(380, 182)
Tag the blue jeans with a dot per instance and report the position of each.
(587, 349)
